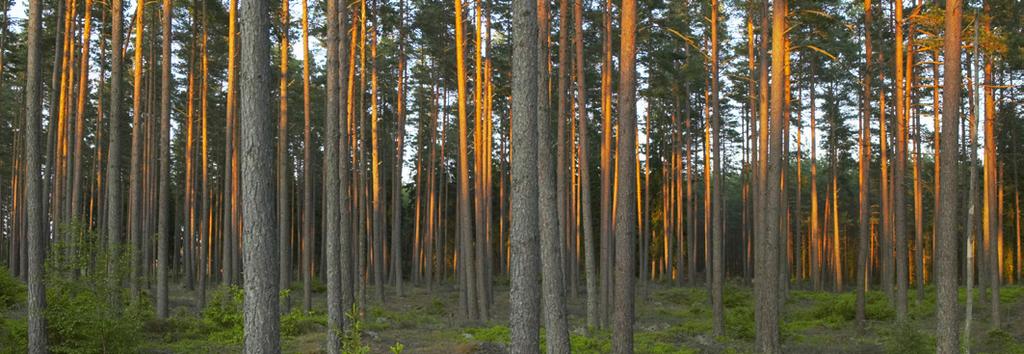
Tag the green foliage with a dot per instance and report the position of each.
(14, 334)
(398, 348)
(222, 318)
(494, 334)
(298, 322)
(905, 339)
(12, 291)
(597, 342)
(1004, 341)
(352, 339)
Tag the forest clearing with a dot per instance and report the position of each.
(511, 176)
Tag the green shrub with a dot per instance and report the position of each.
(297, 323)
(223, 316)
(12, 291)
(495, 334)
(597, 343)
(905, 339)
(14, 334)
(84, 312)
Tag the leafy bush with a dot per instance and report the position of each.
(12, 291)
(597, 342)
(223, 316)
(298, 322)
(907, 340)
(84, 313)
(495, 334)
(14, 334)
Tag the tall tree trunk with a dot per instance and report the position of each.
(164, 222)
(991, 207)
(524, 296)
(377, 195)
(765, 288)
(625, 226)
(899, 179)
(262, 324)
(308, 207)
(552, 280)
(135, 176)
(36, 237)
(206, 233)
(584, 168)
(864, 164)
(396, 178)
(945, 256)
(83, 94)
(228, 227)
(717, 264)
(283, 177)
(336, 218)
(465, 218)
(607, 177)
(115, 227)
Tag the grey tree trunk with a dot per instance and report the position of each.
(115, 227)
(262, 321)
(717, 264)
(552, 279)
(945, 252)
(584, 169)
(396, 178)
(335, 317)
(524, 298)
(625, 209)
(164, 218)
(135, 178)
(36, 236)
(864, 211)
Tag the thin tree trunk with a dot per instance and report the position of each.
(899, 214)
(36, 237)
(115, 227)
(396, 178)
(552, 279)
(465, 218)
(164, 222)
(607, 177)
(765, 288)
(228, 228)
(308, 206)
(135, 177)
(283, 177)
(945, 256)
(864, 162)
(717, 264)
(625, 227)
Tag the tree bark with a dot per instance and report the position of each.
(766, 284)
(283, 176)
(945, 257)
(164, 222)
(864, 162)
(552, 279)
(115, 227)
(524, 295)
(625, 216)
(717, 264)
(135, 176)
(36, 237)
(262, 321)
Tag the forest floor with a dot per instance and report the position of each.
(670, 319)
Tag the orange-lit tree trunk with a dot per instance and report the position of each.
(228, 228)
(990, 208)
(135, 176)
(864, 173)
(396, 178)
(164, 201)
(945, 255)
(607, 176)
(625, 226)
(283, 177)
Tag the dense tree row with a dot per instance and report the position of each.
(829, 145)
